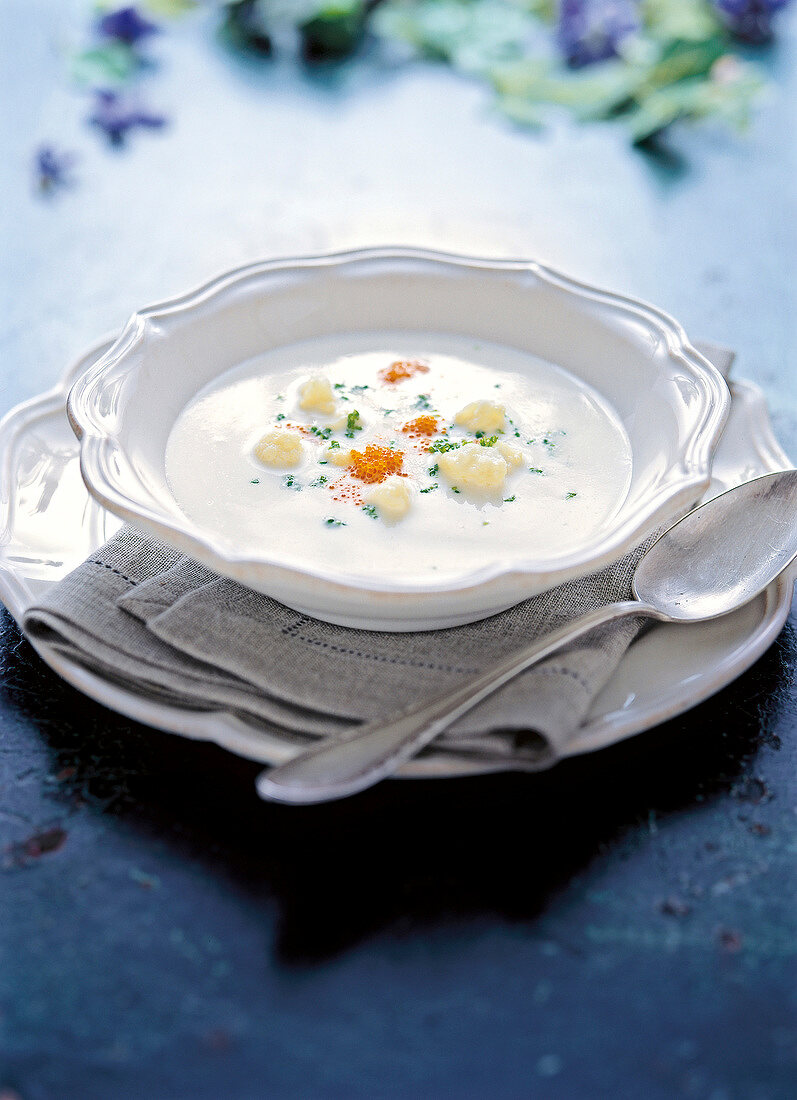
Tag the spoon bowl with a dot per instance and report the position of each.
(724, 553)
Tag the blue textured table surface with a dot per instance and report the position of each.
(623, 926)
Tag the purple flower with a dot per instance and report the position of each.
(750, 20)
(116, 114)
(593, 30)
(52, 168)
(126, 25)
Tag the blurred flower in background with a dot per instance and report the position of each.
(52, 168)
(116, 113)
(593, 30)
(125, 25)
(646, 63)
(750, 20)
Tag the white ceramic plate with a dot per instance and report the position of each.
(672, 403)
(50, 524)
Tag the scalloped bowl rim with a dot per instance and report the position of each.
(97, 446)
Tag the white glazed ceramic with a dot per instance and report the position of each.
(49, 524)
(672, 402)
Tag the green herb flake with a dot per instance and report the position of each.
(359, 389)
(430, 488)
(330, 521)
(491, 442)
(255, 481)
(443, 445)
(321, 433)
(432, 471)
(569, 496)
(508, 500)
(454, 489)
(535, 470)
(339, 386)
(353, 424)
(423, 401)
(319, 481)
(334, 445)
(280, 416)
(370, 510)
(290, 482)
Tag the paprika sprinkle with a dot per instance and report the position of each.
(401, 369)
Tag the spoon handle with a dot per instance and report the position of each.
(335, 769)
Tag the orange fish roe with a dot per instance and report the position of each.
(374, 464)
(422, 425)
(401, 369)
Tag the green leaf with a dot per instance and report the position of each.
(171, 9)
(688, 20)
(113, 63)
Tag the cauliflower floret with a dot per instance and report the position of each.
(474, 467)
(482, 416)
(392, 497)
(338, 456)
(512, 454)
(280, 448)
(315, 395)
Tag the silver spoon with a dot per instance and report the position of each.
(710, 563)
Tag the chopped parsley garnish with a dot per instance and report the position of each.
(359, 389)
(322, 433)
(334, 445)
(443, 445)
(423, 401)
(491, 442)
(322, 480)
(387, 412)
(508, 500)
(255, 481)
(430, 488)
(290, 482)
(432, 471)
(370, 510)
(353, 424)
(330, 521)
(535, 470)
(280, 416)
(569, 496)
(339, 386)
(454, 489)
(517, 434)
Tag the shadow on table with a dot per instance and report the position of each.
(407, 854)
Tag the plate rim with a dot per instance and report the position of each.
(260, 746)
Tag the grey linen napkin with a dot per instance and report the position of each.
(155, 622)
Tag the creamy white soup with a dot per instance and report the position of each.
(406, 455)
